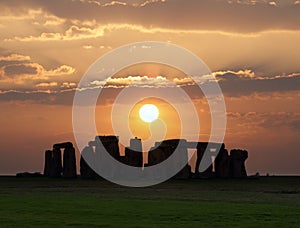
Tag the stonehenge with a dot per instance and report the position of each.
(213, 159)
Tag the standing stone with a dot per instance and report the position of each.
(222, 163)
(69, 162)
(86, 172)
(56, 167)
(237, 163)
(48, 163)
(208, 173)
(155, 156)
(111, 145)
(134, 158)
(164, 150)
(134, 153)
(136, 144)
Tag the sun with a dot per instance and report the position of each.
(149, 113)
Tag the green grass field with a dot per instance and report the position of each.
(42, 202)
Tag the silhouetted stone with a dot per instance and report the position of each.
(134, 153)
(92, 155)
(48, 163)
(237, 163)
(111, 145)
(156, 156)
(136, 144)
(86, 172)
(62, 145)
(69, 163)
(56, 164)
(165, 149)
(53, 163)
(133, 158)
(69, 159)
(208, 173)
(124, 159)
(222, 163)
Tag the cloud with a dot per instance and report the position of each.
(60, 71)
(114, 3)
(233, 83)
(92, 30)
(236, 84)
(64, 85)
(72, 33)
(134, 81)
(39, 96)
(241, 74)
(47, 84)
(222, 15)
(266, 120)
(14, 57)
(51, 20)
(19, 73)
(245, 82)
(63, 94)
(16, 69)
(68, 85)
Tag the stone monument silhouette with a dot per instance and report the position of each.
(223, 165)
(53, 161)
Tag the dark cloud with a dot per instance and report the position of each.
(272, 120)
(234, 85)
(16, 70)
(175, 14)
(51, 98)
(238, 84)
(65, 97)
(11, 62)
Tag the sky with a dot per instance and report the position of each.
(251, 47)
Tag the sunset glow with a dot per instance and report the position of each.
(251, 47)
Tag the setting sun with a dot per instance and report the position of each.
(148, 113)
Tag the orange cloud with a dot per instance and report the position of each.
(68, 85)
(15, 57)
(18, 69)
(73, 33)
(220, 15)
(113, 3)
(59, 71)
(47, 84)
(137, 81)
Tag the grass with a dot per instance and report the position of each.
(42, 202)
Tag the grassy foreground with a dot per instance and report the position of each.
(42, 202)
